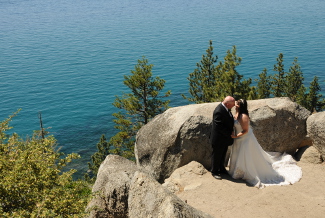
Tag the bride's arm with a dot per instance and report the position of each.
(244, 122)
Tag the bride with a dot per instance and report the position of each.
(250, 162)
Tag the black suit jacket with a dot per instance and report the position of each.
(222, 127)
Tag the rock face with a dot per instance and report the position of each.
(122, 190)
(148, 198)
(316, 131)
(278, 123)
(182, 178)
(111, 188)
(308, 154)
(175, 138)
(181, 134)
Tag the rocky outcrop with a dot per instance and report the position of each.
(111, 188)
(122, 190)
(181, 134)
(148, 198)
(278, 123)
(316, 131)
(182, 178)
(174, 148)
(175, 138)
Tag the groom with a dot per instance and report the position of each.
(220, 138)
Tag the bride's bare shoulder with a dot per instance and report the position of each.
(244, 117)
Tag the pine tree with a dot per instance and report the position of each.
(278, 80)
(230, 81)
(294, 80)
(291, 85)
(202, 80)
(301, 97)
(252, 93)
(137, 107)
(97, 158)
(122, 143)
(246, 91)
(314, 98)
(263, 85)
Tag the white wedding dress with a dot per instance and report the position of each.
(258, 168)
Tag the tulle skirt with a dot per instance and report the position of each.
(250, 162)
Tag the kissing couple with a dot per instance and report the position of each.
(248, 160)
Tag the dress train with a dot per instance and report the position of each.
(250, 162)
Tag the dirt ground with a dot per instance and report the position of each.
(233, 198)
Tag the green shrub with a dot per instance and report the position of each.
(32, 183)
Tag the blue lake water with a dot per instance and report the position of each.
(67, 58)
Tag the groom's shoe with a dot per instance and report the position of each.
(216, 176)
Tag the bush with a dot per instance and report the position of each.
(32, 183)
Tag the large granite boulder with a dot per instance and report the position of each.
(175, 138)
(278, 124)
(148, 198)
(316, 131)
(111, 188)
(181, 134)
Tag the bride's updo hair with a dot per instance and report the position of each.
(243, 107)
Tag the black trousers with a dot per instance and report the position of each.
(218, 158)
